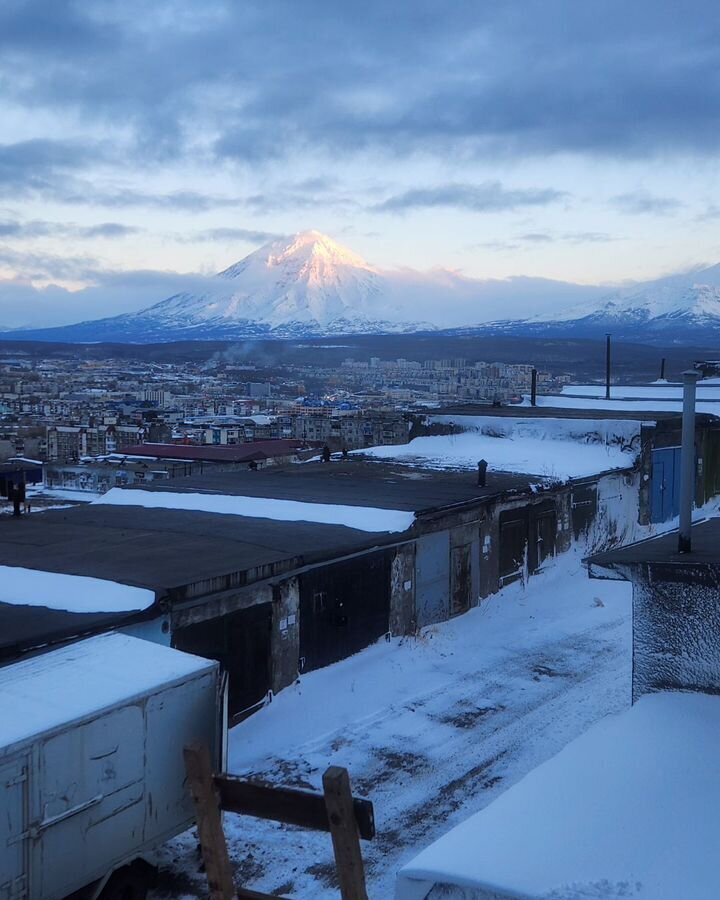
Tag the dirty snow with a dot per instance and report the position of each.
(536, 454)
(431, 728)
(629, 809)
(72, 593)
(362, 518)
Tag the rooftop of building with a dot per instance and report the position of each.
(250, 450)
(660, 551)
(356, 482)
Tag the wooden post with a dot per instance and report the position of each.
(209, 823)
(344, 832)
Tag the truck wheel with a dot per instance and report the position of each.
(129, 883)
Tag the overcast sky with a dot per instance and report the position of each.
(567, 139)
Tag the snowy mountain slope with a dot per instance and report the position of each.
(683, 307)
(310, 286)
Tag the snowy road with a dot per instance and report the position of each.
(431, 729)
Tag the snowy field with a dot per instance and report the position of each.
(431, 728)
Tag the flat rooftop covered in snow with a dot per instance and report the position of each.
(164, 549)
(66, 685)
(629, 809)
(517, 411)
(354, 482)
(663, 550)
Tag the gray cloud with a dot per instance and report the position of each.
(524, 77)
(490, 196)
(234, 234)
(18, 230)
(641, 203)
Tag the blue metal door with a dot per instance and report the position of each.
(665, 502)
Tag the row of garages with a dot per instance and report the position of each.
(313, 618)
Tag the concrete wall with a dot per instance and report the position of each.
(285, 642)
(402, 591)
(676, 629)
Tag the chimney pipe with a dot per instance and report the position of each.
(662, 369)
(607, 366)
(687, 461)
(533, 388)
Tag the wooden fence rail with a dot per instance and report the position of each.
(347, 818)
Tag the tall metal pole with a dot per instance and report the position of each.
(662, 369)
(607, 366)
(687, 461)
(533, 387)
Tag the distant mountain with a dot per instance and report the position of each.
(306, 287)
(310, 286)
(681, 308)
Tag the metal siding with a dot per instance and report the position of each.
(432, 578)
(190, 713)
(665, 497)
(91, 784)
(13, 847)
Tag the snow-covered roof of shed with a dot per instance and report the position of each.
(629, 809)
(43, 693)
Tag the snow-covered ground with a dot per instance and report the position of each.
(629, 809)
(543, 452)
(431, 728)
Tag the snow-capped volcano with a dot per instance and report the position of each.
(307, 285)
(309, 280)
(310, 286)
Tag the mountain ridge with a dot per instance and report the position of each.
(311, 286)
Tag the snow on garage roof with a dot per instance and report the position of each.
(629, 809)
(62, 686)
(362, 518)
(72, 593)
(544, 452)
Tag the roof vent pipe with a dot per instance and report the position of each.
(687, 461)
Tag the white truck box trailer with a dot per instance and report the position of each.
(92, 776)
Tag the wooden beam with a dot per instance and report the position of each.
(344, 832)
(209, 822)
(288, 805)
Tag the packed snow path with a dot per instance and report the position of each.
(431, 728)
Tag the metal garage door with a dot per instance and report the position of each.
(432, 578)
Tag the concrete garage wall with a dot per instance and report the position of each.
(676, 630)
(285, 642)
(402, 591)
